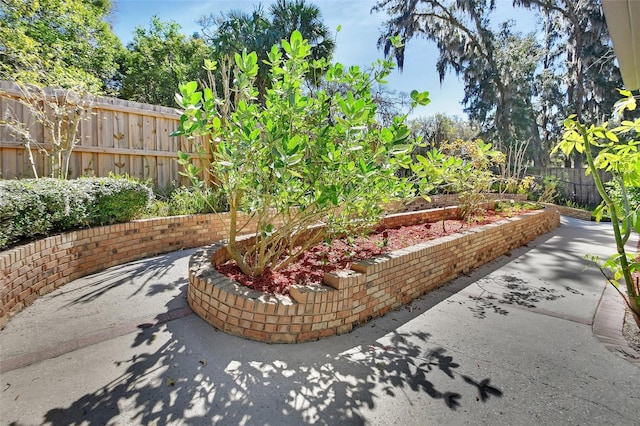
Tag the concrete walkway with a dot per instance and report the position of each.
(514, 343)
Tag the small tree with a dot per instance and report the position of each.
(59, 112)
(622, 159)
(460, 167)
(320, 165)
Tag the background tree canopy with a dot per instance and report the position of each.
(58, 43)
(158, 60)
(517, 87)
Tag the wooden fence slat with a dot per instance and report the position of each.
(118, 136)
(575, 184)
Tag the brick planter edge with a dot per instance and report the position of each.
(350, 298)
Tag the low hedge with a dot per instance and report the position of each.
(36, 207)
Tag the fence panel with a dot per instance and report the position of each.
(575, 184)
(132, 138)
(119, 136)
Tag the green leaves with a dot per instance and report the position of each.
(420, 98)
(617, 153)
(304, 156)
(296, 47)
(627, 103)
(328, 193)
(354, 109)
(58, 44)
(189, 94)
(247, 63)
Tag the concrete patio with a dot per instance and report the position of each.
(531, 338)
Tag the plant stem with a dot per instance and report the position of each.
(624, 264)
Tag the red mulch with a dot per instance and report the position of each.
(309, 269)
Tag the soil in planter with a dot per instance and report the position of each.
(309, 269)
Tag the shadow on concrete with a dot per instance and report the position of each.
(146, 275)
(184, 371)
(258, 384)
(514, 291)
(536, 281)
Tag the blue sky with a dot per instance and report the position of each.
(356, 42)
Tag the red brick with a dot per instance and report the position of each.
(308, 336)
(250, 305)
(271, 308)
(283, 328)
(272, 319)
(245, 323)
(282, 338)
(327, 332)
(318, 326)
(233, 329)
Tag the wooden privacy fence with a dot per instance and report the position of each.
(118, 136)
(574, 184)
(126, 137)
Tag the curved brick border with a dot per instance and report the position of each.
(349, 298)
(571, 212)
(32, 270)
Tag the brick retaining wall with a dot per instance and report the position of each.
(349, 298)
(444, 200)
(32, 270)
(571, 212)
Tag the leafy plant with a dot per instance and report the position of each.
(632, 193)
(190, 200)
(551, 190)
(34, 207)
(460, 167)
(114, 200)
(59, 112)
(304, 166)
(617, 153)
(512, 207)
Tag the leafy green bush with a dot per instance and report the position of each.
(196, 200)
(512, 207)
(460, 167)
(633, 194)
(36, 207)
(115, 200)
(549, 191)
(183, 201)
(296, 156)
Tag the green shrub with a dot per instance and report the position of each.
(512, 207)
(294, 155)
(196, 200)
(176, 201)
(36, 207)
(633, 194)
(550, 191)
(115, 200)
